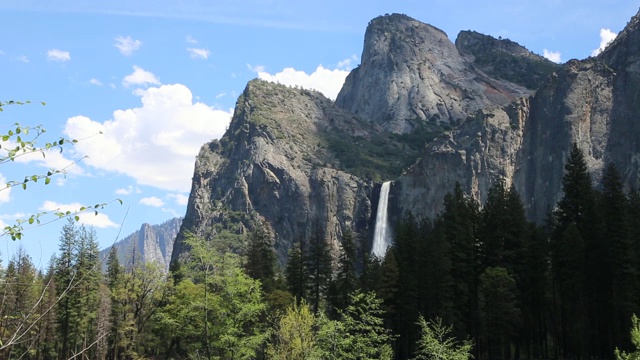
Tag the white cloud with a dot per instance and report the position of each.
(152, 201)
(552, 56)
(140, 76)
(58, 55)
(95, 82)
(256, 69)
(23, 58)
(128, 190)
(127, 45)
(157, 143)
(190, 39)
(606, 37)
(328, 82)
(100, 220)
(180, 199)
(221, 95)
(198, 53)
(5, 192)
(347, 64)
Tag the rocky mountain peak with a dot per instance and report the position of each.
(624, 50)
(411, 73)
(151, 243)
(505, 59)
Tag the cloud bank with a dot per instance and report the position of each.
(606, 37)
(552, 56)
(327, 81)
(156, 143)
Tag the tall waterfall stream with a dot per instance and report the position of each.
(381, 236)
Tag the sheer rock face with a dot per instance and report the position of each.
(412, 72)
(483, 149)
(271, 166)
(152, 243)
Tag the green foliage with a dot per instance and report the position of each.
(318, 264)
(635, 339)
(382, 156)
(345, 281)
(436, 343)
(362, 332)
(295, 336)
(296, 273)
(260, 261)
(499, 310)
(228, 302)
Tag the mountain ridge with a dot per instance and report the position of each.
(275, 163)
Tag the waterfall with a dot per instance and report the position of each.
(381, 236)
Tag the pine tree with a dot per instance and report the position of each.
(387, 289)
(534, 283)
(296, 273)
(318, 264)
(618, 256)
(437, 343)
(362, 332)
(574, 256)
(459, 219)
(18, 306)
(499, 311)
(345, 282)
(66, 280)
(260, 257)
(114, 278)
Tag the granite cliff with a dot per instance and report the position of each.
(426, 113)
(152, 243)
(591, 102)
(419, 76)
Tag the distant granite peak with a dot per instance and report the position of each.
(152, 243)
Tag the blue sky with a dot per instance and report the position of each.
(146, 83)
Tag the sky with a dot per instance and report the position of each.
(143, 84)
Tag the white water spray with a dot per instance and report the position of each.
(381, 238)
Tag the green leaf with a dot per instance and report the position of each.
(47, 180)
(24, 186)
(77, 218)
(31, 220)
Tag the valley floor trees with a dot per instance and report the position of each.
(476, 282)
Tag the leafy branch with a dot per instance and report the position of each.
(22, 140)
(16, 230)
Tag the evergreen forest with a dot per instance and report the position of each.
(479, 281)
